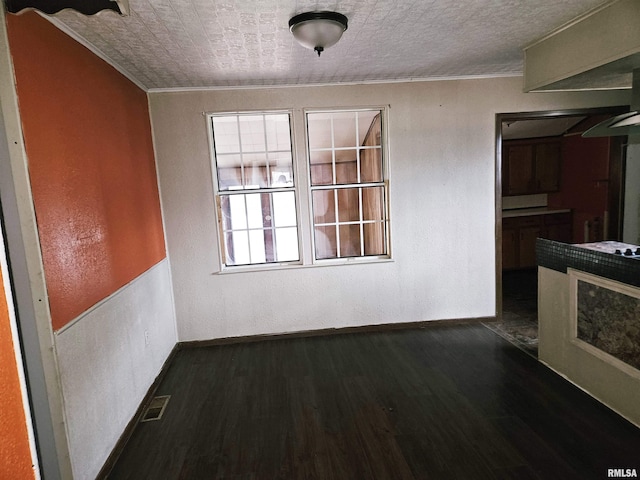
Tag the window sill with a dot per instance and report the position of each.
(292, 266)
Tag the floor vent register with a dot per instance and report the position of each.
(156, 408)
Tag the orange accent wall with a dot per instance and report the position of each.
(91, 163)
(15, 452)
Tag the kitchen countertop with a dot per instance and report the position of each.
(598, 258)
(524, 212)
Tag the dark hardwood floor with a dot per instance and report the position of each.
(442, 402)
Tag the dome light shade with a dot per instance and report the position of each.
(318, 30)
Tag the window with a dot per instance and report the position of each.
(259, 200)
(348, 193)
(256, 194)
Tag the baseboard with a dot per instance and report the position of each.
(335, 331)
(128, 431)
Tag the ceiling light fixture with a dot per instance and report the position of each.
(318, 30)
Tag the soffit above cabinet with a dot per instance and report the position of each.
(596, 51)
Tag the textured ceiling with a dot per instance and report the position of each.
(222, 43)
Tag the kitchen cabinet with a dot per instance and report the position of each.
(519, 234)
(531, 166)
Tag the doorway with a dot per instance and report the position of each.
(550, 183)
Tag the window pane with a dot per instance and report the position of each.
(371, 165)
(350, 241)
(281, 169)
(319, 130)
(374, 243)
(323, 206)
(236, 216)
(321, 168)
(229, 171)
(257, 246)
(267, 212)
(369, 128)
(225, 134)
(346, 167)
(254, 210)
(348, 205)
(255, 170)
(344, 129)
(278, 132)
(237, 248)
(284, 209)
(325, 240)
(252, 133)
(373, 203)
(287, 244)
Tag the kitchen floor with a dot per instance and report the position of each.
(519, 322)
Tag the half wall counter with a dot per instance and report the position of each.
(589, 319)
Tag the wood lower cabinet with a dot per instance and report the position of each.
(519, 236)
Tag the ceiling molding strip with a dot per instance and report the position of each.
(86, 7)
(335, 84)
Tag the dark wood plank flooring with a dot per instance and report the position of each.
(445, 402)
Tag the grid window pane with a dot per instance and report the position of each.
(321, 167)
(320, 130)
(371, 165)
(373, 203)
(287, 244)
(254, 210)
(236, 216)
(344, 130)
(284, 209)
(324, 206)
(350, 241)
(346, 167)
(237, 248)
(281, 169)
(278, 132)
(348, 205)
(374, 243)
(326, 242)
(257, 246)
(369, 129)
(252, 133)
(225, 135)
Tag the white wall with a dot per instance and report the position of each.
(631, 225)
(106, 366)
(442, 191)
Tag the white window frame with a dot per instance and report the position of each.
(384, 184)
(224, 267)
(303, 193)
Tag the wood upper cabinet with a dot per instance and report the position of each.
(530, 166)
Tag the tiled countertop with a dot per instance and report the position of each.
(596, 258)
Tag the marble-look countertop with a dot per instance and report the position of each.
(609, 246)
(525, 212)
